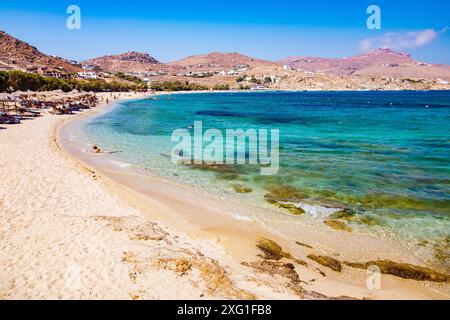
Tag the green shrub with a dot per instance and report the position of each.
(4, 76)
(130, 78)
(50, 84)
(254, 80)
(221, 87)
(18, 80)
(23, 81)
(177, 86)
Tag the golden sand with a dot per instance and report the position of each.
(72, 231)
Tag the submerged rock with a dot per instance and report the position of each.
(327, 262)
(395, 201)
(242, 189)
(215, 167)
(423, 243)
(368, 221)
(333, 204)
(347, 215)
(227, 176)
(350, 215)
(272, 250)
(403, 270)
(223, 171)
(338, 225)
(283, 194)
(285, 197)
(289, 206)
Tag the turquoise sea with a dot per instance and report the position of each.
(383, 156)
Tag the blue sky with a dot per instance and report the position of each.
(170, 30)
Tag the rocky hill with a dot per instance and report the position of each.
(18, 55)
(133, 62)
(219, 61)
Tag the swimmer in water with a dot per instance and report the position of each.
(96, 149)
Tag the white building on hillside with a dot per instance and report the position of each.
(87, 75)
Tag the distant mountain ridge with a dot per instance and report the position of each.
(381, 69)
(380, 62)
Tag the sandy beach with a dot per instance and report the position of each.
(72, 230)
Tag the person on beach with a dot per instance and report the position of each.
(96, 149)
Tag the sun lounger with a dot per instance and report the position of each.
(60, 111)
(26, 112)
(8, 119)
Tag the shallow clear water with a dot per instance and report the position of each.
(385, 155)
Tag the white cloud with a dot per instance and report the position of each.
(400, 41)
